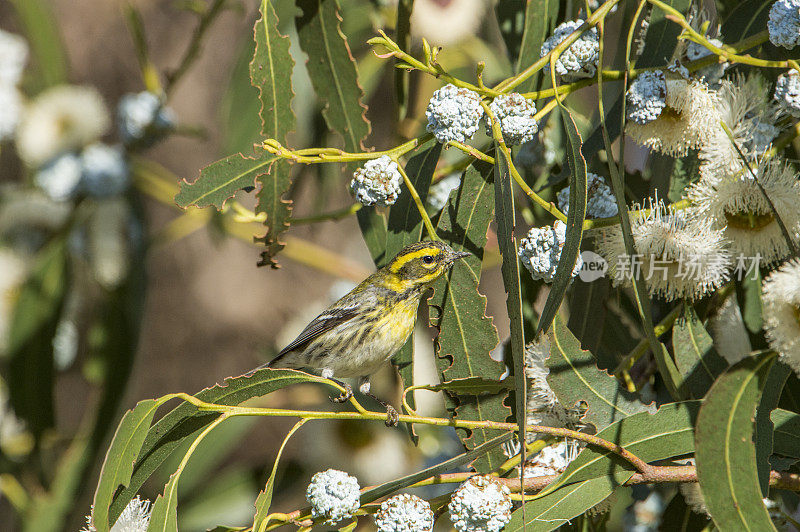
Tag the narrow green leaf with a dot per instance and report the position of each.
(770, 397)
(264, 499)
(748, 292)
(121, 455)
(30, 338)
(271, 74)
(695, 356)
(726, 454)
(164, 516)
(467, 336)
(332, 70)
(220, 180)
(185, 422)
(504, 218)
(575, 218)
(373, 229)
(678, 517)
(786, 437)
(558, 507)
(541, 17)
(471, 386)
(666, 434)
(574, 377)
(274, 185)
(377, 492)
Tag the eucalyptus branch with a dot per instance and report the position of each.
(471, 151)
(335, 155)
(418, 202)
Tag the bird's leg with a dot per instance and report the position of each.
(392, 417)
(348, 390)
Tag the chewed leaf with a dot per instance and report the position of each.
(575, 378)
(274, 185)
(219, 181)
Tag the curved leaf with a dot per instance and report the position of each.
(695, 356)
(575, 377)
(726, 454)
(185, 422)
(786, 438)
(274, 184)
(467, 336)
(220, 180)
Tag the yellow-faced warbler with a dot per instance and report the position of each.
(371, 323)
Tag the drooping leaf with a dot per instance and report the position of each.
(274, 185)
(541, 17)
(264, 499)
(467, 335)
(575, 218)
(557, 508)
(574, 377)
(678, 517)
(185, 422)
(695, 356)
(666, 434)
(504, 218)
(30, 338)
(725, 451)
(770, 397)
(220, 180)
(786, 437)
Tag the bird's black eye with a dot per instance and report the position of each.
(427, 259)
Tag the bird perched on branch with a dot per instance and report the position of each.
(371, 323)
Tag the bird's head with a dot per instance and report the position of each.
(423, 262)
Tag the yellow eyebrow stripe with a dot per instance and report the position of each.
(399, 262)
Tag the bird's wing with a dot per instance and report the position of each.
(322, 324)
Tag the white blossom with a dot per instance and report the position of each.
(516, 116)
(600, 201)
(334, 495)
(134, 518)
(540, 251)
(781, 306)
(143, 118)
(784, 23)
(404, 513)
(377, 182)
(105, 171)
(579, 60)
(60, 179)
(60, 119)
(481, 504)
(454, 114)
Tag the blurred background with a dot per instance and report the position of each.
(104, 280)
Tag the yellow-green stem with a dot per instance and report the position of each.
(418, 201)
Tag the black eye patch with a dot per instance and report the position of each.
(427, 259)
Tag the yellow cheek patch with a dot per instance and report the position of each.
(399, 262)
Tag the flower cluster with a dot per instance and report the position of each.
(334, 495)
(134, 518)
(787, 92)
(784, 23)
(481, 504)
(647, 97)
(600, 202)
(377, 182)
(579, 60)
(454, 114)
(540, 251)
(404, 513)
(781, 303)
(516, 115)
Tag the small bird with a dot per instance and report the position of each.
(361, 331)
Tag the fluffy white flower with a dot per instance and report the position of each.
(600, 201)
(13, 56)
(647, 97)
(784, 23)
(142, 118)
(678, 255)
(734, 204)
(61, 118)
(105, 171)
(712, 73)
(580, 59)
(440, 191)
(481, 504)
(552, 460)
(377, 182)
(444, 22)
(10, 111)
(787, 92)
(13, 271)
(134, 518)
(688, 120)
(334, 495)
(404, 513)
(60, 178)
(516, 117)
(454, 114)
(743, 105)
(541, 248)
(781, 303)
